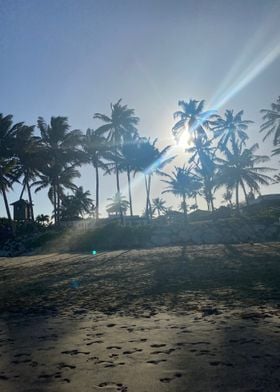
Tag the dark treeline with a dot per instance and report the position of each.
(218, 155)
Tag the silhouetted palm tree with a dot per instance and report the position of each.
(158, 206)
(232, 128)
(62, 153)
(8, 162)
(76, 205)
(128, 161)
(150, 160)
(43, 219)
(203, 161)
(56, 179)
(239, 168)
(118, 204)
(183, 183)
(120, 124)
(192, 119)
(271, 122)
(28, 149)
(8, 174)
(97, 149)
(227, 196)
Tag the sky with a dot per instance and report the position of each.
(74, 57)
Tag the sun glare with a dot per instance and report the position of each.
(184, 141)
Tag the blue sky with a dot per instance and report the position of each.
(73, 58)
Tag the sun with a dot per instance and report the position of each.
(184, 141)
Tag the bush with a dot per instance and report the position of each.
(112, 236)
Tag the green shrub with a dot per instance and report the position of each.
(112, 236)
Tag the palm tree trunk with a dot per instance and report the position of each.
(30, 200)
(237, 197)
(245, 193)
(150, 205)
(22, 192)
(148, 202)
(129, 191)
(97, 192)
(147, 198)
(118, 190)
(6, 204)
(58, 205)
(185, 209)
(54, 204)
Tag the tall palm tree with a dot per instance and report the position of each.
(158, 206)
(8, 169)
(8, 162)
(232, 129)
(118, 204)
(97, 149)
(193, 119)
(56, 178)
(27, 148)
(121, 123)
(241, 167)
(183, 183)
(203, 160)
(62, 153)
(150, 160)
(128, 161)
(76, 205)
(227, 197)
(196, 121)
(271, 122)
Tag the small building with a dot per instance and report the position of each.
(22, 210)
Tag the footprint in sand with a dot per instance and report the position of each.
(135, 350)
(157, 345)
(95, 342)
(113, 347)
(119, 387)
(75, 352)
(169, 379)
(156, 361)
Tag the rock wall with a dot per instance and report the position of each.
(214, 233)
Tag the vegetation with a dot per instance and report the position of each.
(218, 156)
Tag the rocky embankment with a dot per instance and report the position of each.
(215, 233)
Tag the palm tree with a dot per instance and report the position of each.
(122, 123)
(56, 178)
(271, 122)
(128, 160)
(227, 196)
(8, 168)
(8, 163)
(62, 154)
(203, 160)
(158, 206)
(183, 183)
(239, 169)
(97, 148)
(43, 219)
(232, 128)
(193, 118)
(118, 204)
(76, 205)
(197, 121)
(27, 148)
(150, 160)
(119, 125)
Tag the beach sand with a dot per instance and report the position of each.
(194, 318)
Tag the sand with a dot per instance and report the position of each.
(197, 318)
